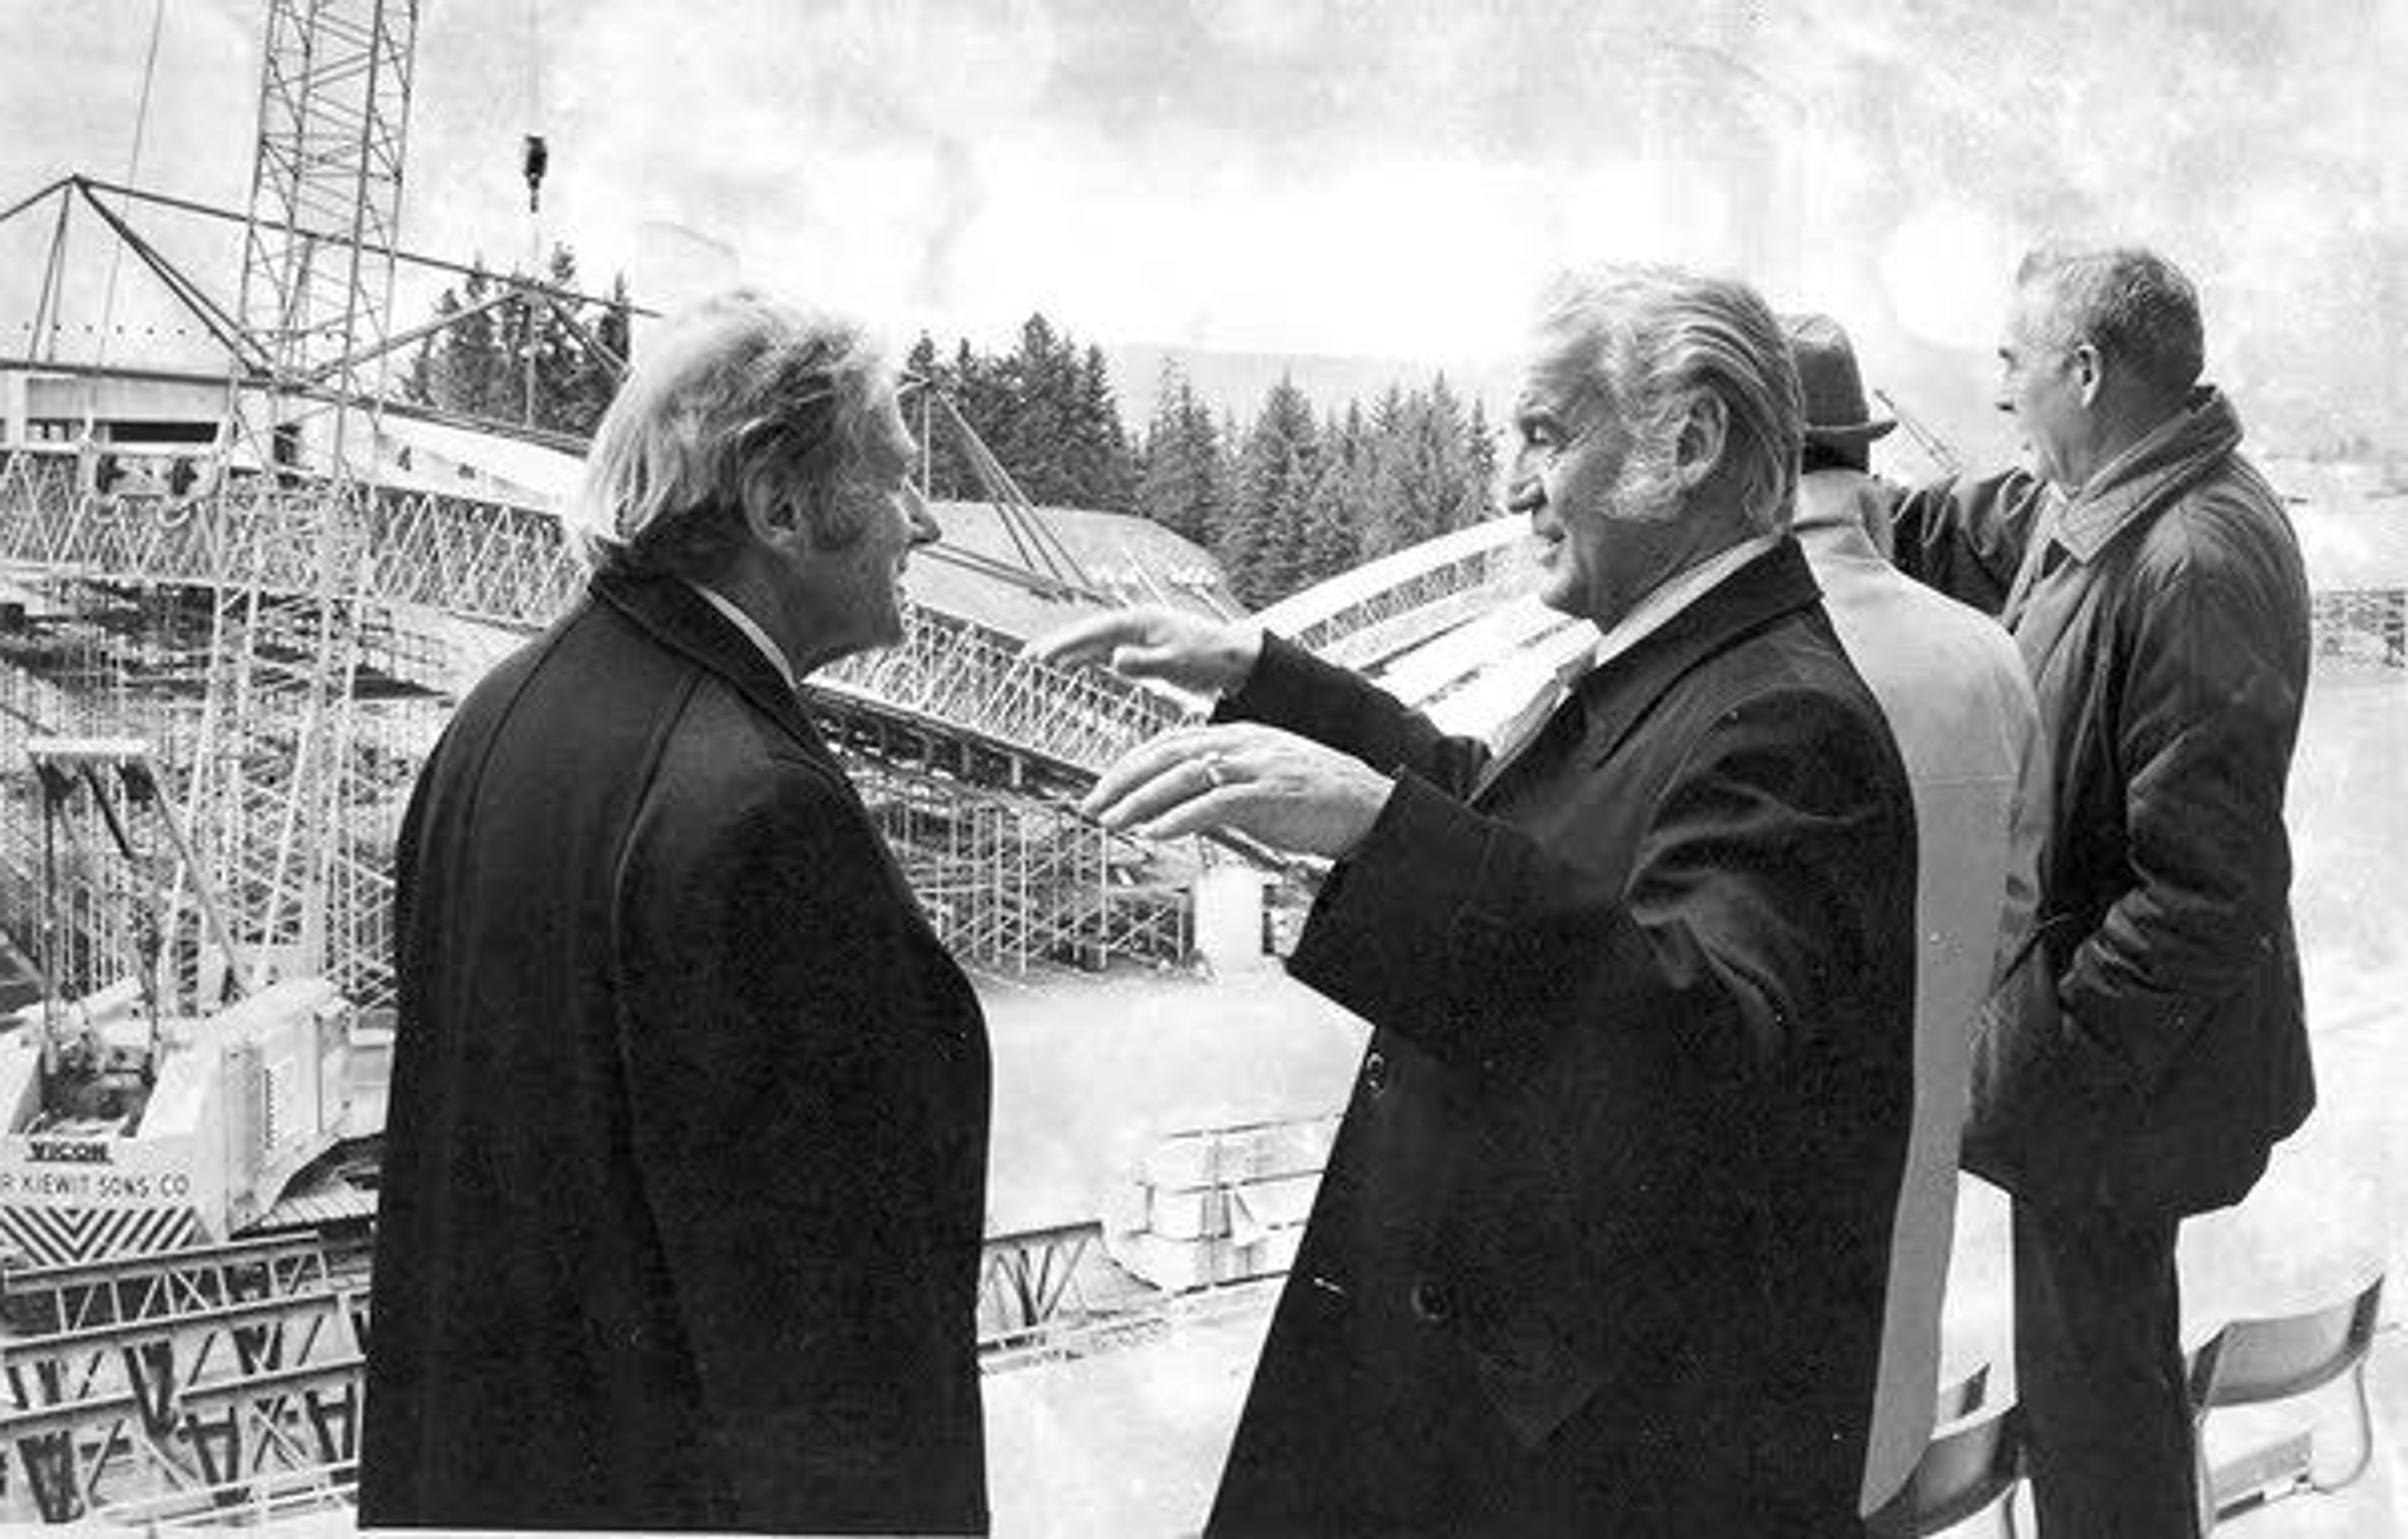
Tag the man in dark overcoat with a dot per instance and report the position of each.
(2154, 589)
(1602, 1245)
(685, 1168)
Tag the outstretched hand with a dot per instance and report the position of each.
(1152, 641)
(1281, 790)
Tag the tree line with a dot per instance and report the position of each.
(518, 361)
(1299, 494)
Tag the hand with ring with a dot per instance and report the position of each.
(1279, 789)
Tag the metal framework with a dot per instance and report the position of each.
(1010, 879)
(181, 1384)
(122, 1290)
(1362, 617)
(272, 774)
(969, 746)
(334, 117)
(513, 567)
(188, 1410)
(2366, 624)
(1029, 1287)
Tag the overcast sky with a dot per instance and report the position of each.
(1310, 176)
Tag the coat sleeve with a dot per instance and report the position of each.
(1755, 896)
(1292, 688)
(1965, 536)
(2211, 689)
(763, 1003)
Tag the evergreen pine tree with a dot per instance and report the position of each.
(1034, 416)
(606, 364)
(1263, 549)
(1479, 453)
(1105, 467)
(476, 360)
(1332, 521)
(1181, 484)
(559, 350)
(429, 379)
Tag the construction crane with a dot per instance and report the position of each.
(1935, 447)
(197, 1086)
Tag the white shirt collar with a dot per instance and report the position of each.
(1653, 612)
(752, 630)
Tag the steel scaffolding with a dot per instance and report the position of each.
(969, 748)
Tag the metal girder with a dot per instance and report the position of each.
(2370, 625)
(48, 1300)
(1032, 731)
(1029, 1284)
(203, 1403)
(509, 566)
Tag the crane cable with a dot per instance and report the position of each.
(535, 159)
(535, 156)
(133, 166)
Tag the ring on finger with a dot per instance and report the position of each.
(1212, 776)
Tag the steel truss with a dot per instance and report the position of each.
(497, 564)
(1362, 617)
(122, 1291)
(1028, 1287)
(1011, 880)
(2365, 624)
(196, 1393)
(1012, 876)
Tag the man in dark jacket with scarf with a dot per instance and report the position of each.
(2154, 587)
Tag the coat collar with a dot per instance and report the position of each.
(1830, 518)
(2150, 473)
(1614, 696)
(681, 619)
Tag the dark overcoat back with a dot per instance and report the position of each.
(1602, 1243)
(684, 1170)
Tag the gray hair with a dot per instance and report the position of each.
(740, 402)
(2132, 305)
(1657, 338)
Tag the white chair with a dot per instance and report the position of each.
(1971, 1465)
(2254, 1360)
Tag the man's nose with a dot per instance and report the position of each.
(924, 529)
(1524, 492)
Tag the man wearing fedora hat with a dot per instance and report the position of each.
(1839, 428)
(1953, 688)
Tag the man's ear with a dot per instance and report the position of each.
(1705, 429)
(774, 519)
(2090, 372)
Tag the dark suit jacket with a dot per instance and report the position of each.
(1602, 1243)
(685, 1174)
(2165, 622)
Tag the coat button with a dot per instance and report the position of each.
(1432, 1304)
(1375, 1073)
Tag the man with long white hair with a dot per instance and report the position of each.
(1602, 1245)
(685, 1172)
